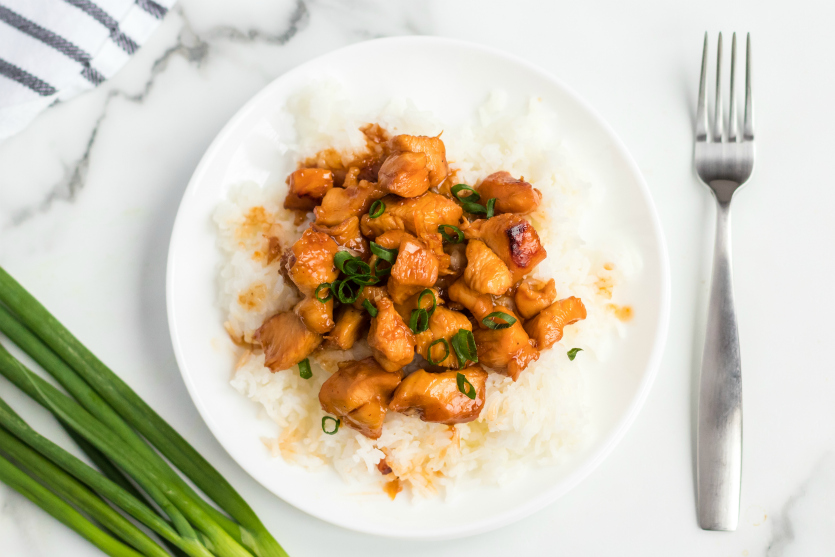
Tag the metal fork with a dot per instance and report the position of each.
(724, 163)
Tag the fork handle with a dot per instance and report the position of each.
(719, 437)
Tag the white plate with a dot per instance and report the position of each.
(449, 78)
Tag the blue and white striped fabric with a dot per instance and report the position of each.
(55, 49)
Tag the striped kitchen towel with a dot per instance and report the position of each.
(55, 49)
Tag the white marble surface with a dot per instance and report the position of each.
(89, 191)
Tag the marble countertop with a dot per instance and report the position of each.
(88, 194)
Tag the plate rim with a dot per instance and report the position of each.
(610, 441)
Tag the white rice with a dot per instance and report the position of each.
(534, 421)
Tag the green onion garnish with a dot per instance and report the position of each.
(490, 205)
(472, 197)
(385, 254)
(340, 258)
(419, 320)
(381, 272)
(490, 322)
(377, 209)
(573, 353)
(465, 386)
(434, 300)
(429, 351)
(459, 236)
(335, 425)
(347, 290)
(356, 266)
(463, 343)
(369, 307)
(304, 369)
(320, 288)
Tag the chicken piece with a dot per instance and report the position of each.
(532, 296)
(480, 305)
(347, 234)
(513, 239)
(405, 174)
(435, 397)
(316, 316)
(547, 327)
(415, 268)
(432, 147)
(340, 204)
(485, 272)
(443, 323)
(411, 303)
(348, 326)
(419, 215)
(313, 264)
(371, 293)
(507, 350)
(512, 195)
(390, 340)
(307, 188)
(286, 340)
(359, 394)
(391, 239)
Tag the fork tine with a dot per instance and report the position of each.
(748, 125)
(718, 120)
(701, 111)
(733, 120)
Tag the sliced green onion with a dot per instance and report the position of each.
(463, 343)
(429, 351)
(385, 254)
(335, 425)
(573, 353)
(357, 266)
(490, 205)
(473, 208)
(345, 292)
(381, 272)
(369, 307)
(490, 322)
(459, 236)
(419, 320)
(341, 258)
(465, 386)
(304, 369)
(322, 287)
(377, 209)
(472, 197)
(434, 300)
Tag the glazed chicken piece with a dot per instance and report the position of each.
(435, 397)
(512, 195)
(547, 327)
(508, 350)
(346, 332)
(390, 339)
(371, 293)
(443, 323)
(532, 296)
(286, 341)
(340, 204)
(313, 264)
(480, 305)
(513, 239)
(307, 188)
(405, 174)
(432, 147)
(359, 393)
(347, 234)
(316, 316)
(419, 216)
(485, 272)
(411, 303)
(415, 268)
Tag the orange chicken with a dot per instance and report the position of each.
(435, 397)
(307, 188)
(513, 239)
(286, 341)
(347, 234)
(485, 272)
(390, 340)
(340, 204)
(359, 394)
(509, 350)
(443, 323)
(405, 174)
(512, 195)
(432, 147)
(347, 329)
(532, 296)
(547, 327)
(313, 264)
